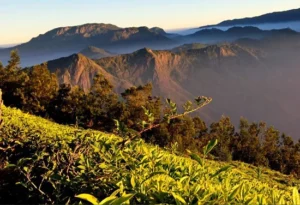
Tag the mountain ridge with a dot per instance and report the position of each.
(213, 35)
(78, 70)
(95, 53)
(234, 74)
(274, 17)
(64, 41)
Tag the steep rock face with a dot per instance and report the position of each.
(177, 75)
(145, 66)
(222, 72)
(80, 70)
(172, 74)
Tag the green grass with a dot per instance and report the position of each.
(71, 161)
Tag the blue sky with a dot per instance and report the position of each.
(20, 20)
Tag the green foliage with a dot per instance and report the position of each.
(90, 198)
(209, 147)
(13, 81)
(100, 100)
(40, 89)
(43, 162)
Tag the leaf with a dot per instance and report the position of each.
(223, 169)
(179, 200)
(115, 193)
(249, 201)
(187, 106)
(107, 200)
(172, 105)
(103, 165)
(21, 183)
(81, 167)
(117, 124)
(234, 192)
(22, 161)
(122, 199)
(25, 169)
(132, 181)
(211, 144)
(90, 198)
(195, 157)
(261, 200)
(296, 199)
(154, 174)
(10, 165)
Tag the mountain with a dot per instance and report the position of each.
(146, 65)
(104, 35)
(242, 80)
(182, 76)
(273, 43)
(275, 17)
(158, 31)
(171, 73)
(64, 41)
(186, 47)
(79, 70)
(247, 78)
(95, 53)
(214, 35)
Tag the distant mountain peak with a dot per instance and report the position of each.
(158, 30)
(144, 51)
(186, 47)
(244, 29)
(275, 17)
(95, 52)
(85, 30)
(64, 41)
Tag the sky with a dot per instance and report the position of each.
(20, 20)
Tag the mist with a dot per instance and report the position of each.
(294, 25)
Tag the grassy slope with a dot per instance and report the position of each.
(157, 174)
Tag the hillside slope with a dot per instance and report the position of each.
(79, 70)
(182, 76)
(93, 163)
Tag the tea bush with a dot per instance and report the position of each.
(43, 162)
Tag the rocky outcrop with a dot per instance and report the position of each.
(78, 70)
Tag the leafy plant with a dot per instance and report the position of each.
(43, 162)
(150, 124)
